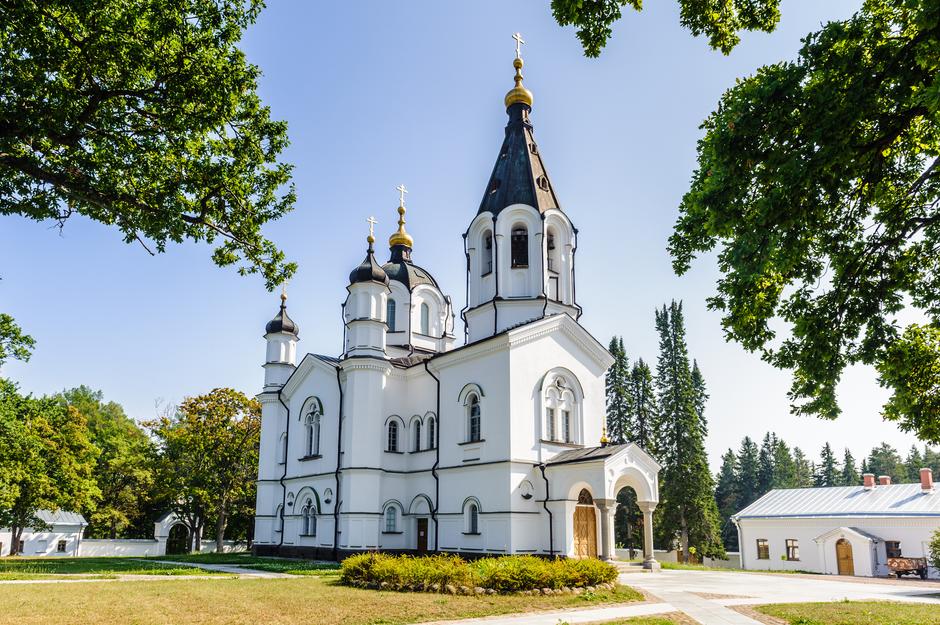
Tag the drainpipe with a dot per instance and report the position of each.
(740, 542)
(551, 535)
(280, 542)
(437, 455)
(339, 455)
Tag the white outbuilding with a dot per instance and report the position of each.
(844, 530)
(62, 537)
(409, 442)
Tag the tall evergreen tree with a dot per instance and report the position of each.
(644, 421)
(885, 460)
(828, 474)
(765, 464)
(913, 464)
(802, 469)
(747, 475)
(726, 497)
(850, 476)
(700, 396)
(784, 468)
(689, 513)
(618, 402)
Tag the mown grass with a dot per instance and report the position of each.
(42, 568)
(854, 613)
(274, 565)
(296, 601)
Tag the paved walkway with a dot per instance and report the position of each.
(240, 571)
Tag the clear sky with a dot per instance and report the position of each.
(380, 93)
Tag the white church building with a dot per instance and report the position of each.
(409, 442)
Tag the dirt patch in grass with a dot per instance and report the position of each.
(845, 613)
(667, 618)
(255, 601)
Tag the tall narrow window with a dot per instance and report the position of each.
(432, 434)
(473, 527)
(473, 427)
(393, 436)
(391, 519)
(487, 253)
(309, 519)
(425, 319)
(390, 314)
(566, 425)
(282, 449)
(279, 520)
(417, 446)
(552, 262)
(520, 247)
(313, 433)
(550, 423)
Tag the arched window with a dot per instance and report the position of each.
(279, 520)
(309, 518)
(417, 435)
(282, 449)
(312, 431)
(487, 254)
(393, 436)
(560, 410)
(432, 434)
(552, 252)
(425, 319)
(474, 429)
(390, 314)
(519, 247)
(472, 517)
(391, 519)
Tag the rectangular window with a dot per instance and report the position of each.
(60, 546)
(892, 548)
(550, 423)
(520, 248)
(475, 433)
(793, 549)
(763, 549)
(487, 254)
(566, 424)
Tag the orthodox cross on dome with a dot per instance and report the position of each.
(284, 291)
(372, 221)
(401, 194)
(519, 42)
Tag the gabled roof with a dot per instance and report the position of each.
(837, 531)
(840, 501)
(61, 517)
(590, 454)
(519, 176)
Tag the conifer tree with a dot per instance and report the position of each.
(784, 469)
(885, 460)
(700, 396)
(802, 469)
(618, 408)
(828, 474)
(747, 476)
(644, 422)
(765, 464)
(726, 497)
(850, 476)
(914, 463)
(689, 513)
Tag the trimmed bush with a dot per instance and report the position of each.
(501, 574)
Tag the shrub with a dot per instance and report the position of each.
(501, 574)
(933, 549)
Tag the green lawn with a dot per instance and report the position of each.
(40, 568)
(274, 565)
(855, 613)
(229, 601)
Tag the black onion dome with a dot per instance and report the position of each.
(368, 270)
(401, 269)
(519, 176)
(281, 322)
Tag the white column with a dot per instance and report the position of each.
(647, 507)
(607, 508)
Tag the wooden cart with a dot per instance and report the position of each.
(908, 566)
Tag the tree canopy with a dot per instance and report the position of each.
(818, 180)
(594, 19)
(142, 115)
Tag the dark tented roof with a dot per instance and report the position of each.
(282, 323)
(368, 270)
(586, 454)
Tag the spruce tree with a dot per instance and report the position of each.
(802, 469)
(700, 396)
(689, 513)
(850, 476)
(747, 476)
(765, 464)
(784, 467)
(885, 460)
(914, 463)
(645, 417)
(618, 406)
(828, 474)
(726, 497)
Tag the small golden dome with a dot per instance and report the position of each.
(401, 237)
(518, 93)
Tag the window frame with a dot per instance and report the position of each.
(474, 419)
(486, 254)
(519, 247)
(763, 547)
(432, 433)
(472, 518)
(793, 550)
(390, 519)
(893, 549)
(391, 310)
(391, 437)
(417, 435)
(424, 321)
(61, 546)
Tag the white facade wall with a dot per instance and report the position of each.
(869, 557)
(45, 543)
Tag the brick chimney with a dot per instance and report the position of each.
(868, 481)
(884, 480)
(926, 480)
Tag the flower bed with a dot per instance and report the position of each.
(454, 575)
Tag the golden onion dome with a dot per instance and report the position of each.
(518, 93)
(401, 237)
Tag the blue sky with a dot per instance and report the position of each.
(380, 93)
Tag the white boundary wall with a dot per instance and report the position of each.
(733, 561)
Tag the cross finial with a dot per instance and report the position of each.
(283, 292)
(401, 194)
(372, 221)
(519, 42)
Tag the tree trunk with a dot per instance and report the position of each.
(16, 534)
(684, 539)
(220, 530)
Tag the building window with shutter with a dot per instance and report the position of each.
(763, 549)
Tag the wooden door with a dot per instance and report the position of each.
(844, 557)
(585, 532)
(422, 535)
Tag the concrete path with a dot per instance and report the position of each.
(232, 569)
(593, 615)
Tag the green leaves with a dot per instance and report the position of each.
(13, 343)
(719, 20)
(142, 115)
(911, 368)
(819, 183)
